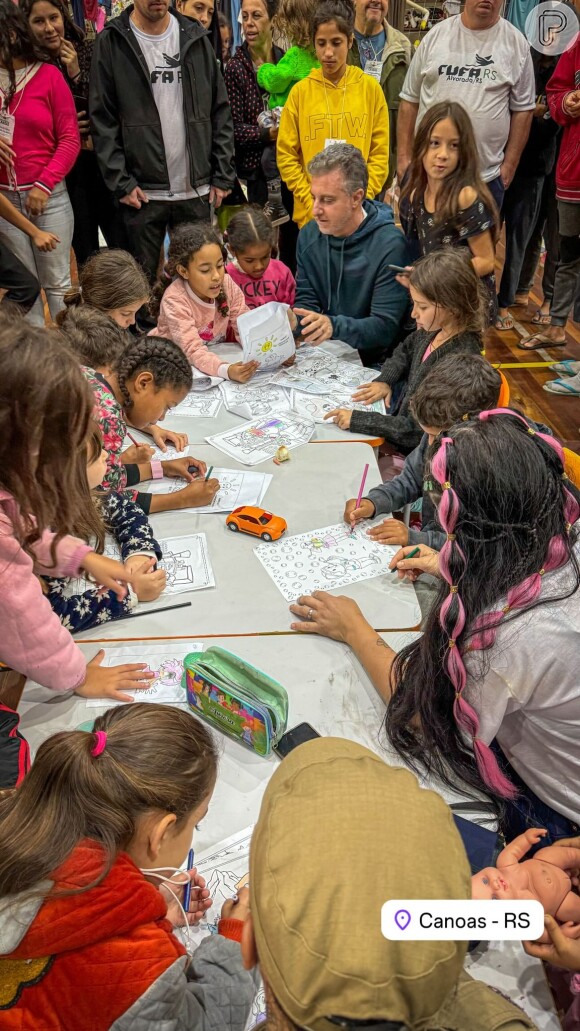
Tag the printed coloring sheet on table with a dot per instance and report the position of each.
(186, 563)
(252, 400)
(199, 405)
(201, 381)
(266, 335)
(317, 371)
(318, 406)
(170, 455)
(167, 666)
(225, 869)
(258, 441)
(322, 559)
(236, 488)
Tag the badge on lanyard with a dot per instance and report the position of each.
(374, 68)
(7, 127)
(330, 142)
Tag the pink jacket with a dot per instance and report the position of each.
(33, 640)
(46, 132)
(192, 323)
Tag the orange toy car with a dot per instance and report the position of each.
(250, 519)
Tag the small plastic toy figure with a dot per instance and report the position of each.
(543, 877)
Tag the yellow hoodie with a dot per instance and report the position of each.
(316, 111)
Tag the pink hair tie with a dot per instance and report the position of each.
(101, 737)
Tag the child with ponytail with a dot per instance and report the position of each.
(90, 887)
(197, 303)
(497, 663)
(148, 379)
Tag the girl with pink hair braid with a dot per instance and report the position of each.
(489, 698)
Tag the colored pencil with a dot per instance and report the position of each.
(153, 612)
(209, 472)
(187, 888)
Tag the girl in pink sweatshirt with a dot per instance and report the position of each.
(250, 238)
(45, 419)
(39, 145)
(197, 304)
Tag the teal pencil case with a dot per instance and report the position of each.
(236, 698)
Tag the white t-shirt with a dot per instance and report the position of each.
(529, 696)
(162, 55)
(489, 72)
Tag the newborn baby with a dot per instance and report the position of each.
(543, 877)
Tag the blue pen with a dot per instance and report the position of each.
(187, 888)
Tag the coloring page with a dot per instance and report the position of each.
(199, 405)
(322, 559)
(316, 371)
(236, 488)
(317, 407)
(251, 401)
(259, 440)
(225, 868)
(168, 456)
(266, 336)
(186, 563)
(168, 669)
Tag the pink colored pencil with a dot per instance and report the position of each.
(361, 488)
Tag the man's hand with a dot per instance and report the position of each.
(315, 328)
(571, 103)
(507, 173)
(135, 199)
(83, 123)
(217, 196)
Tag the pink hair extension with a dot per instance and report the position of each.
(554, 444)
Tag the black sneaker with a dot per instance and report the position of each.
(276, 211)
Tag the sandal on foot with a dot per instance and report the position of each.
(568, 367)
(504, 322)
(538, 340)
(560, 386)
(542, 318)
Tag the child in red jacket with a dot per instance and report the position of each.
(100, 822)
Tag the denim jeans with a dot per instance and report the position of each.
(497, 190)
(527, 810)
(51, 268)
(20, 285)
(520, 210)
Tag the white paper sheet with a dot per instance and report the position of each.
(187, 564)
(203, 382)
(258, 441)
(252, 400)
(170, 455)
(266, 335)
(199, 405)
(316, 371)
(318, 406)
(321, 559)
(236, 488)
(225, 868)
(167, 666)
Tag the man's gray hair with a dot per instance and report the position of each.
(342, 157)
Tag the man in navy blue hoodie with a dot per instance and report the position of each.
(345, 288)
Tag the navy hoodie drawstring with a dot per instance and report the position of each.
(340, 273)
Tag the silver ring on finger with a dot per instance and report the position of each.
(310, 614)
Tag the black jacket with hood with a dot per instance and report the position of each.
(125, 123)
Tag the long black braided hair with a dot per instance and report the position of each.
(161, 357)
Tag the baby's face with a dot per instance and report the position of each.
(490, 884)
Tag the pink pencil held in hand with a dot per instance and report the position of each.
(360, 493)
